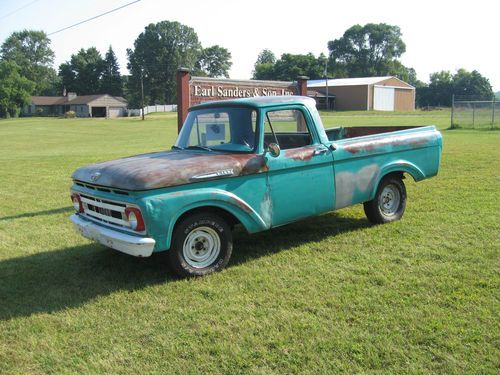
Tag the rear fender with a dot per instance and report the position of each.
(398, 166)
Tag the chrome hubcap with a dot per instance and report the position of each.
(389, 200)
(201, 247)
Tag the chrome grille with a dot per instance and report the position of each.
(105, 211)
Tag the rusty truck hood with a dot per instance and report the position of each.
(170, 168)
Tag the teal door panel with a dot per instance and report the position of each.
(301, 183)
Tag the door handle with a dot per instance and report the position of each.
(320, 151)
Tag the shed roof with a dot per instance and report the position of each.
(361, 81)
(48, 100)
(63, 100)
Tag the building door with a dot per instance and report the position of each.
(383, 98)
(115, 112)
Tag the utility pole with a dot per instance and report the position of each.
(142, 93)
(452, 111)
(493, 112)
(326, 82)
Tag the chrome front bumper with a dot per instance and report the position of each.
(132, 245)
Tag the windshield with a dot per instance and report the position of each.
(219, 129)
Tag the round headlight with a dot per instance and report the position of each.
(132, 219)
(76, 204)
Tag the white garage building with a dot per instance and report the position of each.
(367, 93)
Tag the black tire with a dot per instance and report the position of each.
(389, 203)
(201, 244)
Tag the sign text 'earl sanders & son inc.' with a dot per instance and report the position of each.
(237, 92)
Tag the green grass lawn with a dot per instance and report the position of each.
(328, 294)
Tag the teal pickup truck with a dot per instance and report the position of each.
(259, 162)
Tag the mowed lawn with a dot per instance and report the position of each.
(324, 295)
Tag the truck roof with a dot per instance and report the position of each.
(258, 102)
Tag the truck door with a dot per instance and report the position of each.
(301, 177)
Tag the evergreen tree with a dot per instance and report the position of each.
(82, 74)
(111, 80)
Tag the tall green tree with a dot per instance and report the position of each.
(472, 84)
(443, 85)
(289, 66)
(264, 65)
(157, 54)
(15, 90)
(82, 74)
(214, 61)
(439, 91)
(30, 51)
(366, 51)
(111, 80)
(266, 56)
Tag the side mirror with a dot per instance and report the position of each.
(274, 149)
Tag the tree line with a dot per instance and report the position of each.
(26, 67)
(368, 51)
(362, 51)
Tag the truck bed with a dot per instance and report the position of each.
(338, 133)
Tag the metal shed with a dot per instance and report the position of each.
(367, 93)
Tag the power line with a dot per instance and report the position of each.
(93, 18)
(18, 9)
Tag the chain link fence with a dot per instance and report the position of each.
(475, 114)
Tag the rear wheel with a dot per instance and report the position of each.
(389, 203)
(201, 244)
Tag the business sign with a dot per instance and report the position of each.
(203, 89)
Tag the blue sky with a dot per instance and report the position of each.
(439, 35)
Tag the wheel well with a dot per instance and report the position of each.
(399, 174)
(229, 217)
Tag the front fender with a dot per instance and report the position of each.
(168, 208)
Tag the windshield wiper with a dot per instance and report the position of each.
(198, 147)
(174, 147)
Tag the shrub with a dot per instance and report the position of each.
(70, 114)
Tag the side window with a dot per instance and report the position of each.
(287, 128)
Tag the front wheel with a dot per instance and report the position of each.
(389, 203)
(201, 244)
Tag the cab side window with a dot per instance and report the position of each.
(287, 128)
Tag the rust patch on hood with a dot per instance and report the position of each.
(171, 168)
(303, 153)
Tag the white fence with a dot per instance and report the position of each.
(153, 109)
